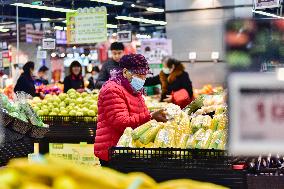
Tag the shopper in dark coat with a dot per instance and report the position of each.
(117, 51)
(93, 79)
(42, 76)
(25, 82)
(75, 79)
(175, 83)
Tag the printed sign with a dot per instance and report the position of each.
(263, 4)
(124, 36)
(87, 25)
(155, 49)
(48, 43)
(256, 113)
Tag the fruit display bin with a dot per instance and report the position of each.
(171, 163)
(69, 120)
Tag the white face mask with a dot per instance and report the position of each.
(166, 70)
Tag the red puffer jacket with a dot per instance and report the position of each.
(117, 109)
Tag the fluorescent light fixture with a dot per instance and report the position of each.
(70, 55)
(56, 9)
(152, 9)
(45, 19)
(64, 21)
(111, 26)
(142, 36)
(112, 2)
(58, 28)
(142, 20)
(192, 56)
(267, 14)
(132, 5)
(4, 30)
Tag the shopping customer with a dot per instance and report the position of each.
(121, 104)
(75, 79)
(94, 77)
(25, 82)
(42, 76)
(117, 51)
(175, 83)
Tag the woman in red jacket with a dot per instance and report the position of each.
(121, 104)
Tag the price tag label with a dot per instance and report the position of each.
(124, 36)
(263, 4)
(48, 43)
(256, 110)
(41, 54)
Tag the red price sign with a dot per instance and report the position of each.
(256, 114)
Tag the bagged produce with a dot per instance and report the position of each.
(165, 138)
(223, 141)
(216, 139)
(195, 105)
(219, 122)
(126, 139)
(150, 134)
(195, 139)
(201, 121)
(181, 143)
(205, 142)
(142, 129)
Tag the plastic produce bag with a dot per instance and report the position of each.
(195, 139)
(205, 142)
(165, 138)
(218, 140)
(126, 139)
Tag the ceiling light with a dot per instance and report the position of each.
(4, 30)
(74, 47)
(143, 20)
(56, 9)
(267, 14)
(112, 2)
(64, 21)
(111, 26)
(62, 55)
(132, 5)
(53, 54)
(58, 28)
(70, 55)
(45, 19)
(152, 9)
(142, 36)
(83, 55)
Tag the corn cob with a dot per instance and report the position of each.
(142, 129)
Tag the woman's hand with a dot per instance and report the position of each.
(159, 116)
(169, 99)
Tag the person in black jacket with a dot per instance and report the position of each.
(117, 51)
(172, 78)
(42, 75)
(93, 79)
(75, 79)
(25, 82)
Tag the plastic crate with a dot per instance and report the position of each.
(69, 120)
(266, 181)
(164, 164)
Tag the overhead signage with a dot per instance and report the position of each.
(124, 36)
(155, 49)
(256, 111)
(48, 43)
(87, 25)
(263, 4)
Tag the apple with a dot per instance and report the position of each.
(67, 100)
(36, 108)
(91, 113)
(53, 114)
(56, 110)
(85, 111)
(84, 94)
(71, 91)
(79, 101)
(72, 113)
(62, 96)
(40, 112)
(94, 107)
(48, 96)
(79, 113)
(62, 104)
(44, 102)
(64, 112)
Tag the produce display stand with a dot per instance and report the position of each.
(68, 129)
(266, 178)
(170, 163)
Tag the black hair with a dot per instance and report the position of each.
(117, 46)
(43, 69)
(173, 62)
(28, 66)
(96, 69)
(75, 64)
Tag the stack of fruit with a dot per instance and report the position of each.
(57, 174)
(153, 103)
(71, 103)
(183, 130)
(207, 90)
(54, 89)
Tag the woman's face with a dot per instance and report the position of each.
(76, 70)
(128, 75)
(32, 71)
